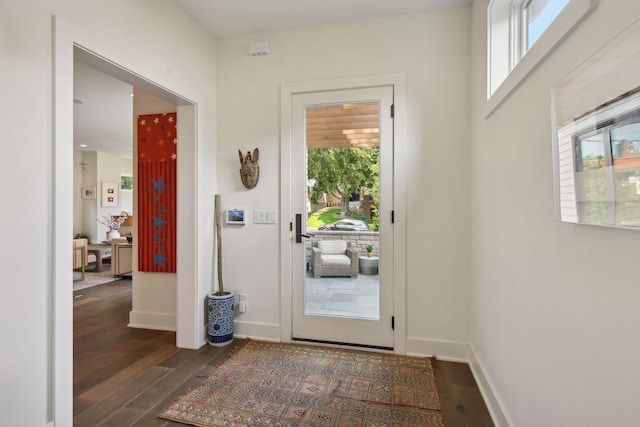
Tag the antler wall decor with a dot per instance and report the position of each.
(249, 168)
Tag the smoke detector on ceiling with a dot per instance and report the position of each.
(259, 49)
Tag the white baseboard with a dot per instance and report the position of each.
(494, 404)
(256, 331)
(156, 321)
(451, 351)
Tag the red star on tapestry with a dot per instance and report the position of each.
(157, 155)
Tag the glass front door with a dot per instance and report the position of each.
(343, 150)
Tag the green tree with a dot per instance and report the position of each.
(374, 191)
(341, 172)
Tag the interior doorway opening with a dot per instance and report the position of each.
(143, 97)
(70, 43)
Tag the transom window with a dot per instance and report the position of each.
(537, 15)
(520, 36)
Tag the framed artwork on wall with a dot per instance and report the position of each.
(88, 193)
(110, 193)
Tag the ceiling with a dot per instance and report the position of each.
(102, 112)
(230, 18)
(103, 119)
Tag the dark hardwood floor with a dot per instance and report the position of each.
(125, 377)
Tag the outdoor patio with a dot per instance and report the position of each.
(343, 296)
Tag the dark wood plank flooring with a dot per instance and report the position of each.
(125, 377)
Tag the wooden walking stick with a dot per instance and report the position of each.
(219, 237)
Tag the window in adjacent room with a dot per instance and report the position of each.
(126, 182)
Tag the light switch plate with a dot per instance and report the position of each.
(262, 216)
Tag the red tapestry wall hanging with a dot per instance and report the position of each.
(157, 158)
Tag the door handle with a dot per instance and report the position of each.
(299, 233)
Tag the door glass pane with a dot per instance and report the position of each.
(343, 192)
(592, 200)
(625, 143)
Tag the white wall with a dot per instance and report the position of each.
(78, 202)
(89, 213)
(433, 50)
(126, 196)
(25, 75)
(132, 30)
(109, 168)
(554, 305)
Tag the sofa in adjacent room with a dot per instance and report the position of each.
(121, 256)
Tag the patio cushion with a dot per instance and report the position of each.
(335, 260)
(332, 247)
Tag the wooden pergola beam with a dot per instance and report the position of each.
(339, 126)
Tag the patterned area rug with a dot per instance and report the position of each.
(270, 384)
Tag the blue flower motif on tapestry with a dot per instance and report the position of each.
(158, 222)
(158, 185)
(158, 259)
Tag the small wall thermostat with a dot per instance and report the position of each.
(235, 216)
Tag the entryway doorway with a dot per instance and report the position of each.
(342, 182)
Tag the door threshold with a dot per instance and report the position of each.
(343, 344)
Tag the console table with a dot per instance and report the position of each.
(99, 250)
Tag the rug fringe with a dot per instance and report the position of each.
(434, 367)
(432, 360)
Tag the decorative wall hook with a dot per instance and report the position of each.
(249, 168)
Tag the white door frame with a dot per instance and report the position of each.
(191, 285)
(373, 332)
(398, 81)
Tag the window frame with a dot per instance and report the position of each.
(508, 60)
